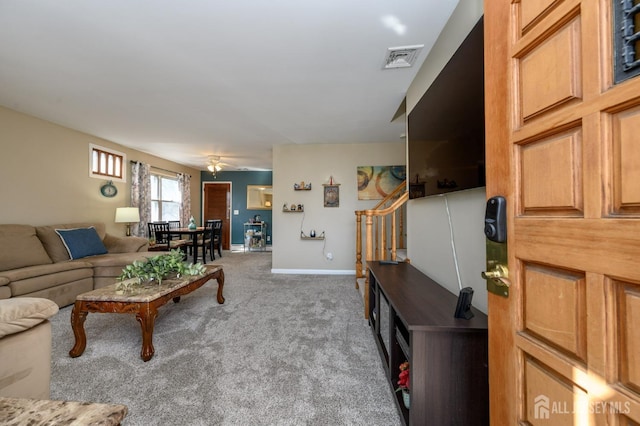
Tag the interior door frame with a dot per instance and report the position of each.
(229, 213)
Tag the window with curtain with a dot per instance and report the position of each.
(166, 198)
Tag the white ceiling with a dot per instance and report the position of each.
(187, 79)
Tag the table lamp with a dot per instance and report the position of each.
(127, 215)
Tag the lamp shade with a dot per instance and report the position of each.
(127, 215)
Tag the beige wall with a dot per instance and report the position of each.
(315, 164)
(44, 175)
(429, 237)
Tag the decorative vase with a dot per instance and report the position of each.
(406, 398)
(192, 224)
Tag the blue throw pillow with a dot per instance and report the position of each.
(81, 242)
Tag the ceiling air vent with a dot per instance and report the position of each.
(401, 57)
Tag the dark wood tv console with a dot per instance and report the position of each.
(411, 317)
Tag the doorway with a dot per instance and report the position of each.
(216, 204)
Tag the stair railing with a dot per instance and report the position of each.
(381, 241)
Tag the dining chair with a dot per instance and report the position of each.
(216, 238)
(160, 231)
(174, 224)
(204, 242)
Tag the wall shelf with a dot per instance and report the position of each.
(295, 208)
(303, 236)
(302, 186)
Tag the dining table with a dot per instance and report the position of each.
(193, 235)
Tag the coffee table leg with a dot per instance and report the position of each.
(220, 280)
(78, 315)
(147, 318)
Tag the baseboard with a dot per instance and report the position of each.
(239, 248)
(314, 271)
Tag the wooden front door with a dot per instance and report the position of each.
(217, 205)
(563, 146)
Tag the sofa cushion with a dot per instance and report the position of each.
(119, 260)
(52, 242)
(5, 292)
(34, 278)
(125, 244)
(21, 247)
(81, 242)
(111, 265)
(22, 313)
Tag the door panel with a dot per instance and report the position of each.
(558, 58)
(628, 318)
(563, 147)
(217, 205)
(550, 172)
(566, 330)
(626, 157)
(533, 9)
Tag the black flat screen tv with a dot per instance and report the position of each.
(446, 138)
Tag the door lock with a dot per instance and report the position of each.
(495, 228)
(499, 276)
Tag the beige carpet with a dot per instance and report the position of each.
(282, 350)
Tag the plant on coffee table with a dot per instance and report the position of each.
(158, 268)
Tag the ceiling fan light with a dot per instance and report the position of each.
(218, 168)
(211, 167)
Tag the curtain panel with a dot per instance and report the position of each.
(184, 182)
(141, 196)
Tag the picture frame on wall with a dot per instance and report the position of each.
(332, 195)
(377, 182)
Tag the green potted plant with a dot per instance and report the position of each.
(158, 268)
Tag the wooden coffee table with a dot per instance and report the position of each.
(143, 300)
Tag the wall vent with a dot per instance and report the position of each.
(401, 57)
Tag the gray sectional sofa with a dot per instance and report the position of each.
(35, 260)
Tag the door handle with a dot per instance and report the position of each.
(499, 275)
(500, 271)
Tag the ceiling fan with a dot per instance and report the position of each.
(214, 164)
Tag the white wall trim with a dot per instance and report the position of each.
(314, 271)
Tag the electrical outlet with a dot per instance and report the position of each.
(268, 238)
(329, 256)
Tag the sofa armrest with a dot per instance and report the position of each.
(25, 347)
(22, 313)
(125, 244)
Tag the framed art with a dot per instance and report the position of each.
(376, 182)
(332, 195)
